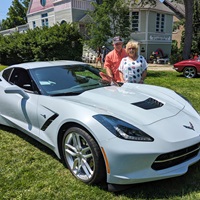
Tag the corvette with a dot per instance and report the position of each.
(103, 132)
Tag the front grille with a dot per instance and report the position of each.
(174, 158)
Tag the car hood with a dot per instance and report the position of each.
(143, 104)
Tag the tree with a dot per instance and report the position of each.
(16, 14)
(106, 14)
(196, 27)
(1, 25)
(59, 42)
(190, 37)
(189, 7)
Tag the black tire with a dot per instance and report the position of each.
(190, 72)
(82, 156)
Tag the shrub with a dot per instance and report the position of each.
(59, 42)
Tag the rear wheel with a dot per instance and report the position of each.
(189, 72)
(82, 156)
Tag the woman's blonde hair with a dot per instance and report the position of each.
(132, 44)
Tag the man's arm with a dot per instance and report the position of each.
(109, 72)
(107, 66)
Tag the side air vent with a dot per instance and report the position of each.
(148, 104)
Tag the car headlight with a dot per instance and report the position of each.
(122, 129)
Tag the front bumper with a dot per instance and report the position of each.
(130, 168)
(174, 145)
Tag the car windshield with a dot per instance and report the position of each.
(67, 80)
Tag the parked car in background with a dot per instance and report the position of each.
(189, 68)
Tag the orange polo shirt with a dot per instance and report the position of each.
(113, 60)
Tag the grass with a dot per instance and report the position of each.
(2, 67)
(190, 88)
(29, 170)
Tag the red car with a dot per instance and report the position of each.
(190, 68)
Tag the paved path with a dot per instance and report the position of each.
(160, 67)
(155, 67)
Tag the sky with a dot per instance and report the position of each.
(4, 5)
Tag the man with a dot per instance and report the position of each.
(113, 59)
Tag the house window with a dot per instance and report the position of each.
(44, 15)
(34, 24)
(63, 22)
(43, 2)
(160, 22)
(45, 21)
(134, 21)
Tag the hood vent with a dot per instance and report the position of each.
(148, 104)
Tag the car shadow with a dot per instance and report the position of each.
(182, 76)
(171, 188)
(30, 140)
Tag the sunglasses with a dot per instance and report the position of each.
(131, 48)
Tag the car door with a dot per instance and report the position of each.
(18, 110)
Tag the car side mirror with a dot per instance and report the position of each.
(16, 90)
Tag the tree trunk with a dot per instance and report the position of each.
(189, 7)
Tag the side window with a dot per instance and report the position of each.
(21, 78)
(6, 73)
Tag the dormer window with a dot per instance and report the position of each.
(43, 2)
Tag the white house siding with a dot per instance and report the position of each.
(8, 31)
(22, 28)
(36, 17)
(64, 15)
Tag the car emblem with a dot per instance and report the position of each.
(190, 126)
(43, 116)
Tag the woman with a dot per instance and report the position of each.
(133, 68)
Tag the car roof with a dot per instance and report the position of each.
(38, 64)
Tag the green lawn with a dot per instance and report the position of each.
(190, 88)
(2, 67)
(30, 171)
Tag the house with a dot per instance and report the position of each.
(49, 12)
(151, 25)
(21, 29)
(152, 28)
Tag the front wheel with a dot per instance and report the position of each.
(82, 156)
(189, 72)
